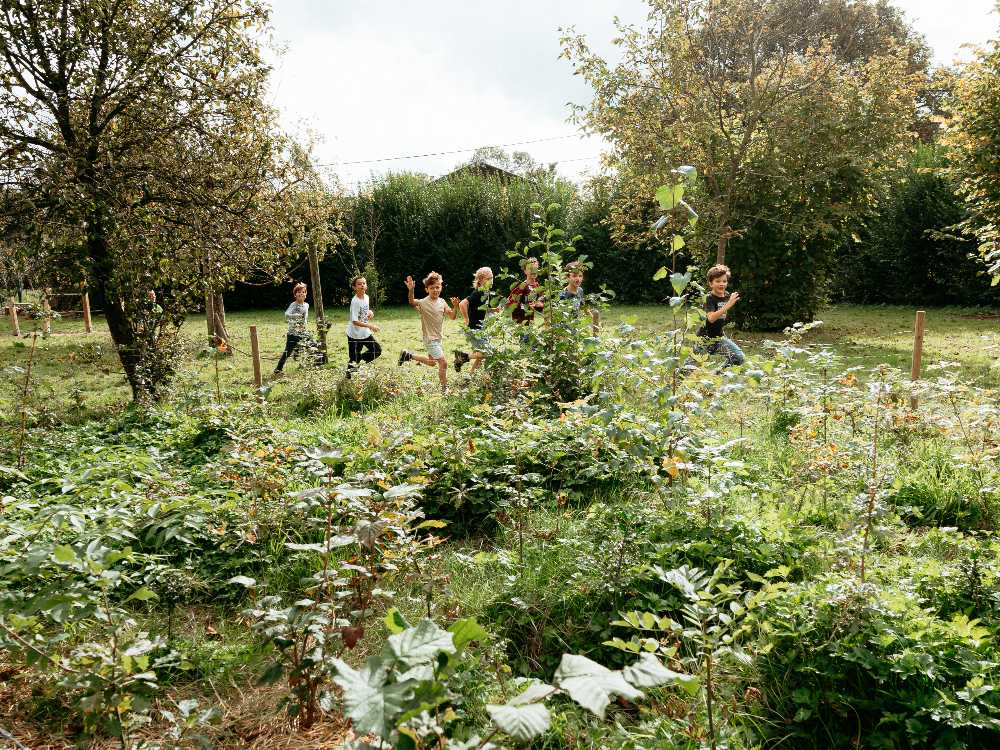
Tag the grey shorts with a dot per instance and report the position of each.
(434, 349)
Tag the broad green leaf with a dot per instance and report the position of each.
(402, 490)
(421, 644)
(431, 524)
(661, 274)
(394, 621)
(679, 282)
(243, 581)
(665, 197)
(536, 691)
(523, 723)
(65, 554)
(677, 243)
(466, 631)
(142, 594)
(590, 684)
(650, 672)
(371, 704)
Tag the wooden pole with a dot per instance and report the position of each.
(258, 380)
(918, 350)
(210, 317)
(595, 323)
(317, 293)
(14, 325)
(46, 314)
(88, 325)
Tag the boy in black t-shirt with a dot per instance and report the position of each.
(474, 309)
(717, 304)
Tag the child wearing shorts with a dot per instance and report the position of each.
(432, 309)
(474, 309)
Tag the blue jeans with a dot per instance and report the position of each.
(727, 348)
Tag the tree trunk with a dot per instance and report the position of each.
(219, 313)
(720, 253)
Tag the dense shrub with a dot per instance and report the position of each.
(907, 251)
(861, 666)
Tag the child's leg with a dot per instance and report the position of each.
(291, 342)
(374, 351)
(732, 352)
(477, 359)
(423, 359)
(442, 365)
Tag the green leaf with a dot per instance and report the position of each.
(591, 684)
(677, 243)
(243, 581)
(402, 490)
(665, 197)
(65, 554)
(523, 723)
(421, 644)
(142, 594)
(466, 631)
(679, 282)
(394, 621)
(536, 691)
(660, 274)
(650, 672)
(431, 524)
(371, 704)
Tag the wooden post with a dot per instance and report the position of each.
(918, 350)
(255, 352)
(317, 294)
(210, 317)
(46, 314)
(14, 325)
(595, 323)
(88, 325)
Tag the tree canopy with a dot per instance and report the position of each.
(141, 155)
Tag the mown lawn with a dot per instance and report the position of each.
(78, 376)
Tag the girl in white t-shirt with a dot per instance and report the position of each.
(361, 344)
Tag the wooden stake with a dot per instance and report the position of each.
(258, 380)
(595, 323)
(46, 314)
(317, 294)
(15, 326)
(918, 350)
(88, 325)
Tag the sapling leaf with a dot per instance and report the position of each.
(467, 630)
(650, 672)
(420, 644)
(243, 581)
(371, 704)
(661, 273)
(591, 684)
(523, 723)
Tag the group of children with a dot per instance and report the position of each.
(524, 301)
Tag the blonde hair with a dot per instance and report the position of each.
(433, 278)
(480, 275)
(300, 285)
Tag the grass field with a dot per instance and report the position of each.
(78, 375)
(557, 520)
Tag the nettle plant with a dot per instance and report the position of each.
(366, 538)
(403, 697)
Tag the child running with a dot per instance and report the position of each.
(432, 310)
(717, 304)
(361, 344)
(474, 309)
(524, 297)
(574, 285)
(297, 317)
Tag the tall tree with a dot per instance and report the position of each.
(974, 137)
(141, 156)
(787, 107)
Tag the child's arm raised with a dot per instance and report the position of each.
(410, 284)
(452, 311)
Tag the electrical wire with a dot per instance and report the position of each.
(448, 153)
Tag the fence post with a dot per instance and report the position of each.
(918, 350)
(15, 326)
(88, 325)
(255, 352)
(595, 323)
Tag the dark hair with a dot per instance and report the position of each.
(356, 279)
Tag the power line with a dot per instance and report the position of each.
(448, 153)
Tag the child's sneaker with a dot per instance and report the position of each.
(404, 356)
(460, 359)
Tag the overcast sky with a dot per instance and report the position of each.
(387, 78)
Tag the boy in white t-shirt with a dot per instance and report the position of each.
(361, 344)
(432, 310)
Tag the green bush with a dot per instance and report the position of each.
(908, 251)
(849, 666)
